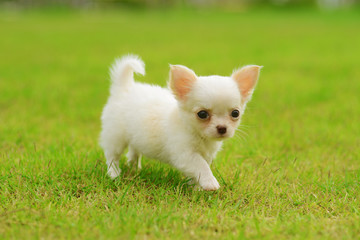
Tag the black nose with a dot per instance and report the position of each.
(221, 129)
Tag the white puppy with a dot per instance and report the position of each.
(183, 126)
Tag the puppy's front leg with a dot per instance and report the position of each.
(195, 166)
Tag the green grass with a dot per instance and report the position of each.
(294, 174)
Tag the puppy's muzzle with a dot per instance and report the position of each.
(221, 129)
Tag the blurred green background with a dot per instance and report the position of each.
(229, 4)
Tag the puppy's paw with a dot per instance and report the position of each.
(209, 184)
(114, 172)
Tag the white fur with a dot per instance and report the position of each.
(149, 120)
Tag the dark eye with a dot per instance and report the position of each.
(203, 114)
(235, 113)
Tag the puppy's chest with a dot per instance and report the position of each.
(208, 150)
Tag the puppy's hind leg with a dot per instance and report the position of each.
(133, 158)
(112, 161)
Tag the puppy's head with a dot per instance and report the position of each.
(213, 105)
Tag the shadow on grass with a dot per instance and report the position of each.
(153, 175)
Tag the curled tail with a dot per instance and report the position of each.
(122, 72)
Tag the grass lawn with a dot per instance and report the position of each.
(293, 173)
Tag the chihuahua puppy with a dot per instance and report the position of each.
(183, 126)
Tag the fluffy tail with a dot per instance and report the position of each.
(122, 72)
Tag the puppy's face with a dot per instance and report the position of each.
(213, 105)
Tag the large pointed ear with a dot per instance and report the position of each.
(246, 79)
(181, 80)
